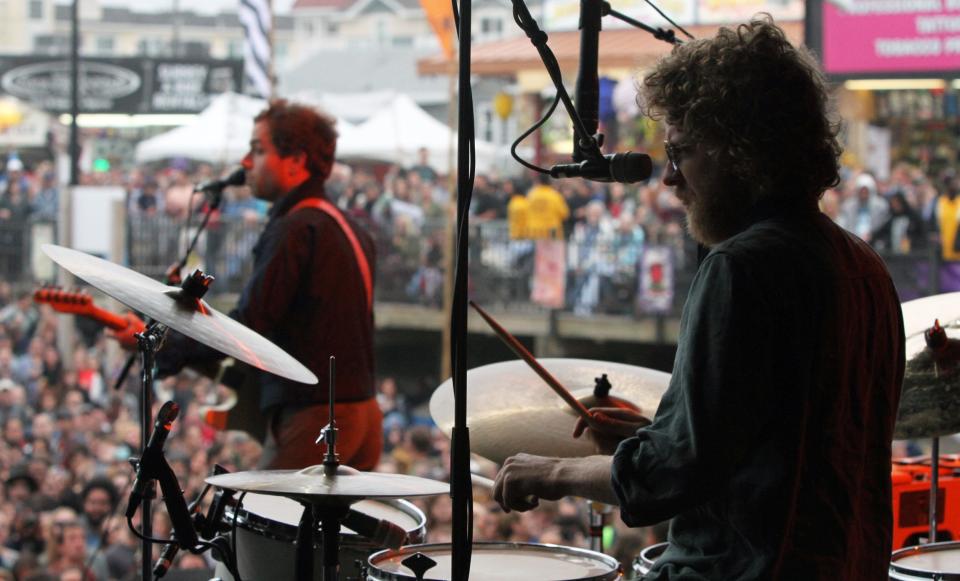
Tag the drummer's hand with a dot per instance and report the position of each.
(127, 336)
(612, 425)
(524, 479)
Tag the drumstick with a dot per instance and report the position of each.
(521, 351)
(481, 481)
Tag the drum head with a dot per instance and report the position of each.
(501, 562)
(939, 561)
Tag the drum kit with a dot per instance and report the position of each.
(274, 522)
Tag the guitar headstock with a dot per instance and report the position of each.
(76, 302)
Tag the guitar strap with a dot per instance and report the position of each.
(338, 217)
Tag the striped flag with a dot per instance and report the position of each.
(257, 21)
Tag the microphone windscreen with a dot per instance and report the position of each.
(630, 167)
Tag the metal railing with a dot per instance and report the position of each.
(410, 263)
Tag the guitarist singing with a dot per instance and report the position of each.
(311, 293)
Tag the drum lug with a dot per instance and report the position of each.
(361, 569)
(419, 564)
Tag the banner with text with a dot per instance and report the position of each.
(120, 85)
(891, 36)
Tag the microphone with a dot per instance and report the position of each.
(237, 178)
(161, 429)
(167, 555)
(382, 532)
(625, 168)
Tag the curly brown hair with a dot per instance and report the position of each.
(297, 128)
(759, 104)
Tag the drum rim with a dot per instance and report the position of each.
(263, 526)
(577, 551)
(924, 574)
(646, 550)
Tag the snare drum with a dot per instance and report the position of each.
(500, 562)
(939, 561)
(267, 530)
(643, 564)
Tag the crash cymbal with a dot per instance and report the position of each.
(347, 485)
(919, 314)
(511, 410)
(930, 397)
(193, 317)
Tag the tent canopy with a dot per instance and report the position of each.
(219, 134)
(399, 130)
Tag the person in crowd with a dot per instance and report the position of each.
(865, 211)
(98, 501)
(770, 450)
(306, 243)
(903, 231)
(547, 210)
(590, 258)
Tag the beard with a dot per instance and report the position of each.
(714, 217)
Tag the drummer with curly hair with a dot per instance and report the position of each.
(770, 451)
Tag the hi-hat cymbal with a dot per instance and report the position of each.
(347, 485)
(930, 398)
(194, 318)
(919, 314)
(511, 409)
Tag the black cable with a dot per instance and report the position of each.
(527, 133)
(140, 535)
(670, 20)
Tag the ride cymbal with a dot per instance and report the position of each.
(511, 409)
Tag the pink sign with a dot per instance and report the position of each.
(891, 36)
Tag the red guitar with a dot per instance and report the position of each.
(218, 415)
(81, 303)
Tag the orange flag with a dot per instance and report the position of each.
(440, 15)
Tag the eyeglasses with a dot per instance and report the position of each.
(673, 154)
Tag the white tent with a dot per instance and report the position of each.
(218, 134)
(397, 132)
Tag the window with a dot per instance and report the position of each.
(491, 28)
(104, 44)
(36, 9)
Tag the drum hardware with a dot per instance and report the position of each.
(326, 493)
(419, 564)
(643, 564)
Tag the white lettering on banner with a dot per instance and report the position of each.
(951, 45)
(939, 23)
(906, 47)
(892, 6)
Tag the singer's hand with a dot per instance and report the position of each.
(127, 336)
(613, 424)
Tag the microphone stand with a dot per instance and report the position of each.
(215, 200)
(148, 342)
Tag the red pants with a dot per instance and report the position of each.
(293, 431)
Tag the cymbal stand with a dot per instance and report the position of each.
(934, 485)
(329, 514)
(596, 512)
(148, 342)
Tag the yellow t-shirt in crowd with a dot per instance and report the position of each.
(547, 212)
(518, 214)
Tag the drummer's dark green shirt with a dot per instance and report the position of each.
(771, 447)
